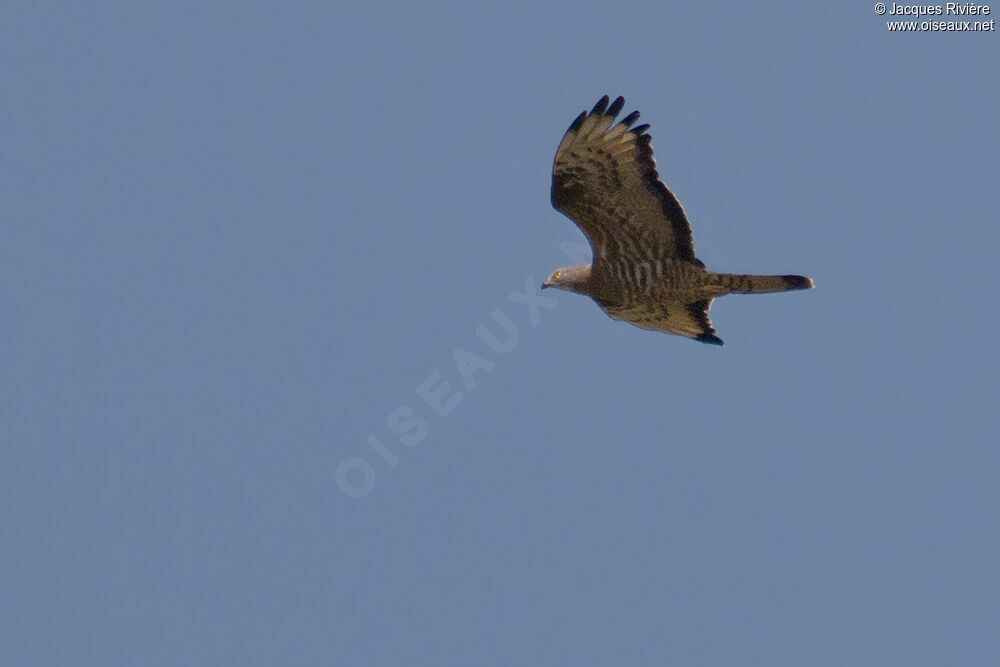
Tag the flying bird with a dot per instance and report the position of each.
(644, 270)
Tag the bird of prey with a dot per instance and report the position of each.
(644, 270)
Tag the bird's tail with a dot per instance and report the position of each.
(737, 283)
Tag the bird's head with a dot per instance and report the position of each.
(569, 278)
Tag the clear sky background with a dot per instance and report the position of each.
(238, 236)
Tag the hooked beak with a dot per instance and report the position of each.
(544, 285)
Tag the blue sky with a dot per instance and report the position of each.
(238, 237)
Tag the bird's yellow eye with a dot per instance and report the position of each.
(557, 275)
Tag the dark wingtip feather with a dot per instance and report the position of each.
(639, 129)
(711, 339)
(601, 106)
(578, 122)
(629, 119)
(616, 106)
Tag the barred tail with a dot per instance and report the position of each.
(736, 283)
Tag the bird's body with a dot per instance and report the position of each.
(644, 269)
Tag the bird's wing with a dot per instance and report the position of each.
(604, 179)
(683, 319)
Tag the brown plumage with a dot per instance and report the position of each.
(644, 270)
